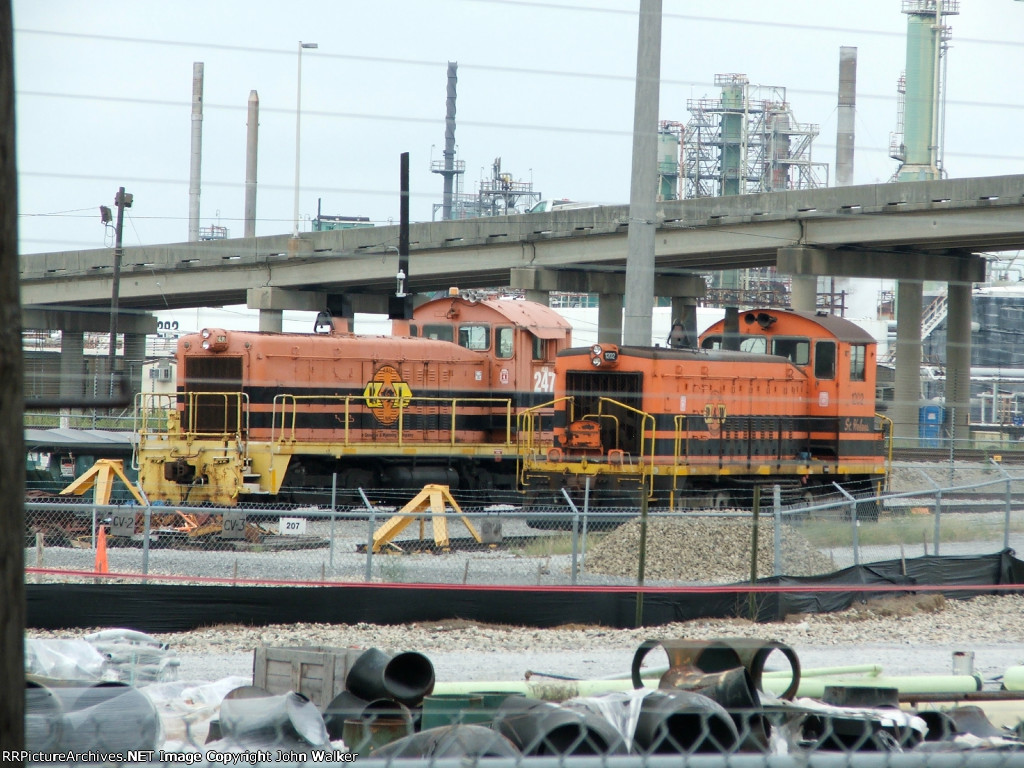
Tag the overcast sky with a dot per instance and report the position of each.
(104, 98)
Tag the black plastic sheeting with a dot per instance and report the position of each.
(179, 608)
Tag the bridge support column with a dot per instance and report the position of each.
(72, 371)
(958, 362)
(907, 384)
(804, 293)
(134, 357)
(684, 310)
(609, 318)
(271, 320)
(539, 296)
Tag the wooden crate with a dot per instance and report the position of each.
(318, 673)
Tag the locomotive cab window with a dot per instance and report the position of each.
(505, 337)
(825, 359)
(798, 350)
(475, 337)
(858, 362)
(756, 344)
(540, 348)
(438, 332)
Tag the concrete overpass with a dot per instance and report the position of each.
(911, 232)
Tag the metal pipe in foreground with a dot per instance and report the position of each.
(814, 687)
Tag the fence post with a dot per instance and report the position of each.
(334, 500)
(586, 510)
(147, 527)
(938, 507)
(777, 507)
(369, 535)
(1009, 494)
(575, 534)
(853, 522)
(756, 514)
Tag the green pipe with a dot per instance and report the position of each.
(852, 669)
(815, 687)
(549, 690)
(812, 687)
(1013, 680)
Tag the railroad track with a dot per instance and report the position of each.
(1013, 456)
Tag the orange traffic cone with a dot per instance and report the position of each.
(101, 550)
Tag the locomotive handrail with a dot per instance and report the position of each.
(146, 411)
(240, 413)
(527, 422)
(645, 417)
(888, 442)
(287, 407)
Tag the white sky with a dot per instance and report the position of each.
(103, 98)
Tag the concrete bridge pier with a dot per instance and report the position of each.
(72, 364)
(959, 269)
(609, 318)
(73, 324)
(906, 407)
(611, 288)
(804, 293)
(958, 362)
(134, 358)
(684, 310)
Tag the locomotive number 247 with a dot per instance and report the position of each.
(544, 380)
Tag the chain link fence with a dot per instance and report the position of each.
(937, 511)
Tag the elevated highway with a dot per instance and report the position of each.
(851, 231)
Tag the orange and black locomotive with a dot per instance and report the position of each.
(788, 399)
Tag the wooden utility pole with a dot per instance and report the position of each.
(12, 450)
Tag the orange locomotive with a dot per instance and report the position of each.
(791, 403)
(275, 415)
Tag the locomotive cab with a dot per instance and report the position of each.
(837, 356)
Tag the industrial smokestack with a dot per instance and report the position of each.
(197, 152)
(449, 140)
(251, 145)
(847, 115)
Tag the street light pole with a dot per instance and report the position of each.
(122, 200)
(298, 118)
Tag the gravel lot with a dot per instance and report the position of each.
(907, 635)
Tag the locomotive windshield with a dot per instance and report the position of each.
(798, 350)
(439, 332)
(475, 337)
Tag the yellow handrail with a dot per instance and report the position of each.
(645, 417)
(888, 459)
(287, 406)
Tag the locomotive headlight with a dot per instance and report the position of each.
(596, 361)
(214, 339)
(596, 350)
